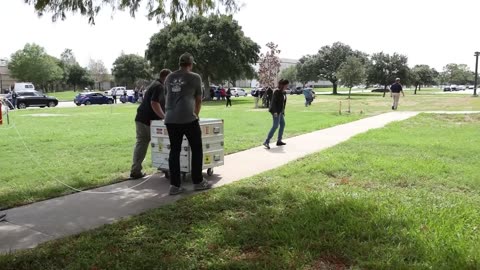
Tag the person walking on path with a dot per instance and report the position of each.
(277, 109)
(229, 96)
(395, 90)
(184, 101)
(151, 108)
(114, 95)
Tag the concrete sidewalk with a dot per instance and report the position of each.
(36, 223)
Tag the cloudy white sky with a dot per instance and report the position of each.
(434, 32)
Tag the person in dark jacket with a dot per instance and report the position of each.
(151, 108)
(268, 97)
(277, 109)
(229, 96)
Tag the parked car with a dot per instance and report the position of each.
(470, 86)
(461, 88)
(119, 91)
(23, 87)
(297, 91)
(90, 98)
(447, 89)
(256, 91)
(33, 99)
(237, 92)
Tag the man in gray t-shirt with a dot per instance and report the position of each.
(184, 100)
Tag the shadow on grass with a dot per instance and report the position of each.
(247, 227)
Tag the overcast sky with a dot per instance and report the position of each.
(427, 31)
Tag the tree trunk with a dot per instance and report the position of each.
(416, 86)
(349, 92)
(419, 87)
(335, 88)
(384, 90)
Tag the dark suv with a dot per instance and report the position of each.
(33, 99)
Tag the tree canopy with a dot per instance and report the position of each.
(383, 69)
(269, 66)
(33, 64)
(458, 74)
(221, 50)
(289, 74)
(128, 68)
(422, 75)
(329, 59)
(306, 69)
(98, 71)
(161, 10)
(78, 76)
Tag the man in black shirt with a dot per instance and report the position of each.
(395, 90)
(151, 108)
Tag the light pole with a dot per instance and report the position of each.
(476, 73)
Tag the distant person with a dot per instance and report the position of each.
(212, 93)
(151, 108)
(14, 98)
(125, 95)
(395, 90)
(228, 95)
(114, 95)
(184, 101)
(256, 94)
(223, 93)
(269, 96)
(140, 94)
(308, 96)
(135, 95)
(277, 109)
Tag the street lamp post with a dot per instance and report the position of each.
(476, 73)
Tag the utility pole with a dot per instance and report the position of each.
(476, 73)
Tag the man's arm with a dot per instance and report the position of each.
(157, 109)
(198, 97)
(198, 105)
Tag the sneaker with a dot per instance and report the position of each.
(176, 190)
(202, 185)
(266, 145)
(137, 175)
(280, 143)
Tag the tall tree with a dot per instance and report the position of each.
(78, 76)
(458, 74)
(161, 10)
(34, 65)
(98, 72)
(128, 68)
(307, 70)
(289, 74)
(221, 50)
(269, 66)
(352, 72)
(384, 68)
(422, 75)
(330, 58)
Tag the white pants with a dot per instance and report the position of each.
(396, 98)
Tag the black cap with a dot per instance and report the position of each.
(186, 58)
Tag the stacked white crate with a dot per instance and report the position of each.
(212, 140)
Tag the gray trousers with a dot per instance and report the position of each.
(141, 147)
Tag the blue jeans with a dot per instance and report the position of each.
(277, 121)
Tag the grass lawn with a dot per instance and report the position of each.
(403, 197)
(92, 146)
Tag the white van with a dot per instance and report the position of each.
(24, 87)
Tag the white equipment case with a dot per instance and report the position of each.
(212, 141)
